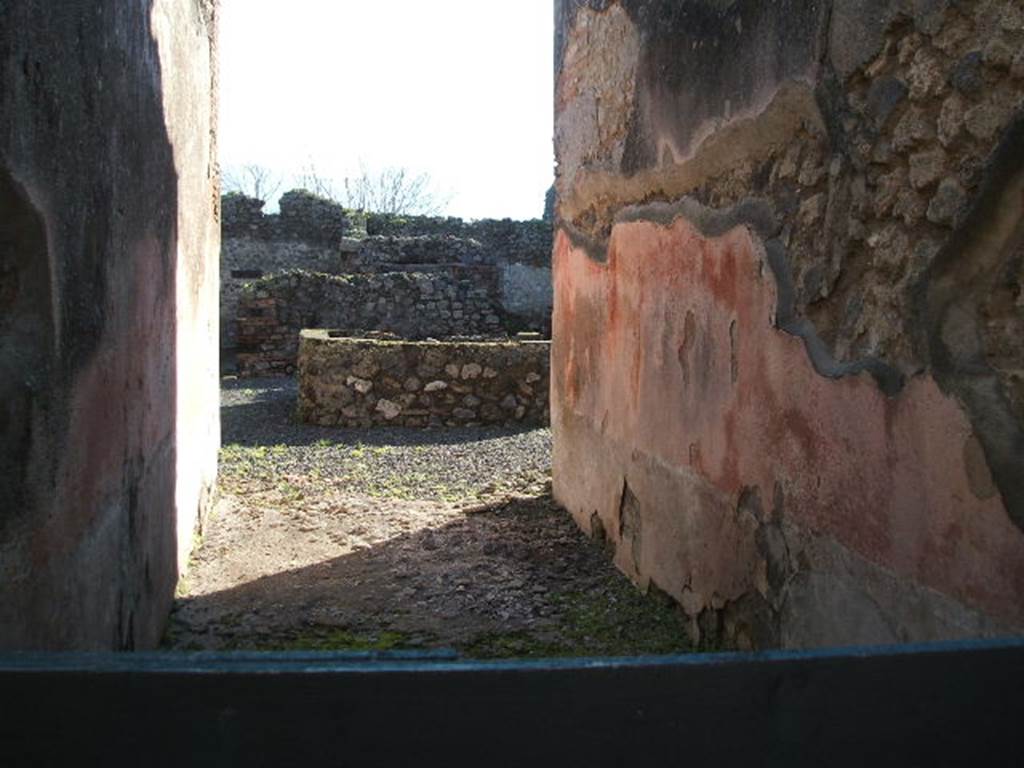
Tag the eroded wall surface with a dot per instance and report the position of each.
(108, 314)
(787, 360)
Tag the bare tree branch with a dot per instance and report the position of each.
(393, 190)
(311, 181)
(251, 180)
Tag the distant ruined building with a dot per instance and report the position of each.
(317, 265)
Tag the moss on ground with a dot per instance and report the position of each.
(331, 639)
(342, 640)
(617, 621)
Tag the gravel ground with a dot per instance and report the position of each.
(334, 539)
(440, 465)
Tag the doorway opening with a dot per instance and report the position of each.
(385, 473)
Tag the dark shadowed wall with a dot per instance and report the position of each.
(108, 313)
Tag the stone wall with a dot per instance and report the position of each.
(238, 257)
(787, 361)
(388, 253)
(413, 305)
(109, 236)
(359, 382)
(504, 240)
(302, 217)
(513, 258)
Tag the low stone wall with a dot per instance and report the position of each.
(362, 382)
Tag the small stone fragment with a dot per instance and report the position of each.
(984, 120)
(929, 17)
(925, 252)
(998, 54)
(412, 384)
(452, 370)
(388, 408)
(951, 119)
(886, 190)
(884, 95)
(966, 76)
(926, 168)
(907, 48)
(435, 386)
(811, 173)
(914, 127)
(787, 166)
(490, 373)
(366, 368)
(948, 202)
(926, 75)
(909, 206)
(532, 378)
(362, 386)
(1012, 19)
(890, 249)
(472, 371)
(464, 414)
(812, 209)
(1017, 68)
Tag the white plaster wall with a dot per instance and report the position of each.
(184, 37)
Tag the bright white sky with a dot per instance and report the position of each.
(460, 89)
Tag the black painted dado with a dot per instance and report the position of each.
(945, 705)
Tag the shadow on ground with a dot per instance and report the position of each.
(515, 578)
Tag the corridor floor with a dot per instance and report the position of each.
(328, 539)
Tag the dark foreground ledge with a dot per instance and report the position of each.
(944, 704)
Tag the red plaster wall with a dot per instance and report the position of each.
(668, 353)
(723, 173)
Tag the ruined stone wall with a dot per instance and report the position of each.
(108, 322)
(388, 253)
(413, 305)
(787, 367)
(512, 271)
(359, 382)
(317, 235)
(504, 240)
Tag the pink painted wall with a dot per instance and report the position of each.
(786, 338)
(668, 353)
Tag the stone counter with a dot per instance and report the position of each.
(364, 382)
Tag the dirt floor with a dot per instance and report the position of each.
(400, 539)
